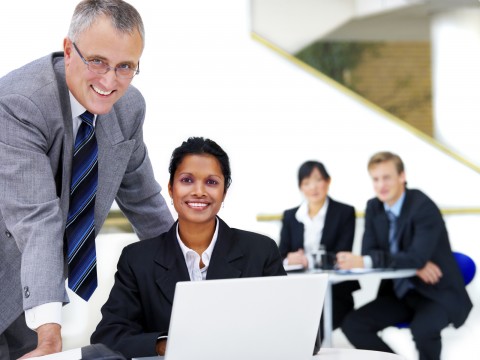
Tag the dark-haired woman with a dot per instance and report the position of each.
(199, 246)
(319, 223)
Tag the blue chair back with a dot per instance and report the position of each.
(467, 266)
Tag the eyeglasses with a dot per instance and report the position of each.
(97, 66)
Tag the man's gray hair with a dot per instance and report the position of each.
(125, 18)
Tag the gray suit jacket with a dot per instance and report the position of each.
(36, 143)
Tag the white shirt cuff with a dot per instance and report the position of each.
(44, 314)
(367, 262)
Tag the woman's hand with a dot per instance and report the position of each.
(297, 258)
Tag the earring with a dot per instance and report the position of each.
(171, 201)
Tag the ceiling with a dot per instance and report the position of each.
(410, 23)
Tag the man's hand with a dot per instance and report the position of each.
(49, 341)
(430, 273)
(297, 258)
(347, 260)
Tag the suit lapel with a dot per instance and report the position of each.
(402, 220)
(113, 156)
(382, 225)
(64, 171)
(224, 254)
(331, 219)
(170, 265)
(298, 234)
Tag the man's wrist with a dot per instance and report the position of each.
(50, 337)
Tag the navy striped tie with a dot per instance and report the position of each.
(80, 228)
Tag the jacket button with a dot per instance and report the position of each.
(8, 234)
(26, 292)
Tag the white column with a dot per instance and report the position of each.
(455, 40)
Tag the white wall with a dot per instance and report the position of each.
(202, 74)
(456, 74)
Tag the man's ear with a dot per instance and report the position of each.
(403, 177)
(67, 48)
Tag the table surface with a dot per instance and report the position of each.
(354, 354)
(336, 276)
(333, 354)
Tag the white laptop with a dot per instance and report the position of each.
(250, 318)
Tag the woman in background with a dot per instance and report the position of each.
(319, 224)
(199, 246)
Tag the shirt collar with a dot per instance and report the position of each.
(302, 213)
(78, 109)
(397, 207)
(207, 254)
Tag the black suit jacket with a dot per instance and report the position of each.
(338, 233)
(139, 306)
(422, 237)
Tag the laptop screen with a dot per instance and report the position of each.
(249, 318)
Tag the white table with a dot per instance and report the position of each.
(333, 354)
(354, 354)
(335, 277)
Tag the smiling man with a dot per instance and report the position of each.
(405, 229)
(71, 142)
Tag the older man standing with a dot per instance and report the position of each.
(71, 142)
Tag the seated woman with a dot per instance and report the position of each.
(136, 316)
(319, 223)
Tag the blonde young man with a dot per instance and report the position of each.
(405, 229)
(41, 108)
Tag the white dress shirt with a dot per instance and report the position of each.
(396, 209)
(313, 229)
(192, 258)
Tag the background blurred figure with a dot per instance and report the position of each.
(405, 229)
(199, 246)
(319, 223)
